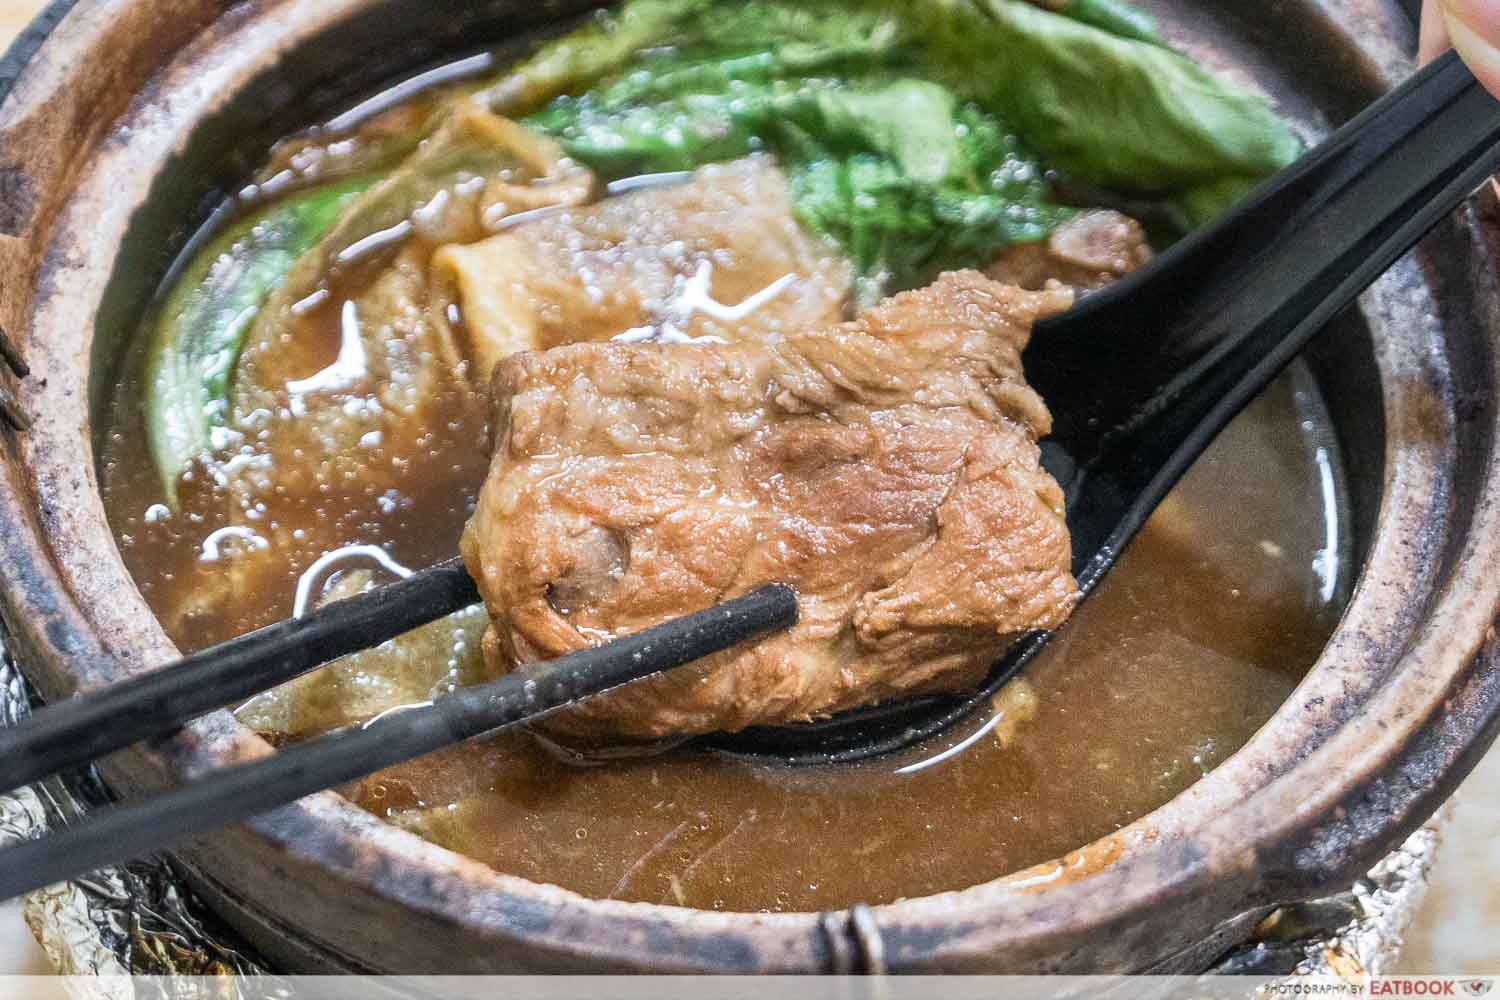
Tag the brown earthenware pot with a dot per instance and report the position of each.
(119, 119)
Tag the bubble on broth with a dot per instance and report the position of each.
(341, 556)
(229, 539)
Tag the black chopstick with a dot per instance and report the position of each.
(10, 355)
(73, 732)
(10, 410)
(232, 794)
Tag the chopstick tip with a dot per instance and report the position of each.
(11, 413)
(11, 355)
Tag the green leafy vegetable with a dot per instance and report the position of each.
(476, 169)
(249, 277)
(1089, 84)
(1203, 204)
(578, 59)
(926, 198)
(1113, 16)
(202, 324)
(900, 235)
(420, 665)
(914, 133)
(1126, 115)
(913, 123)
(896, 172)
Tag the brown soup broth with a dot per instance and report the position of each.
(1202, 630)
(1187, 647)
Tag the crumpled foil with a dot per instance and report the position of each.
(1352, 935)
(140, 918)
(134, 919)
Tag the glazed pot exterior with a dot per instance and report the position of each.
(119, 120)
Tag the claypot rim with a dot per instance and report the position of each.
(1291, 836)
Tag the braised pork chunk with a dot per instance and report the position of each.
(1087, 253)
(887, 468)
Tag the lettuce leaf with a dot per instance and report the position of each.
(1126, 115)
(902, 177)
(907, 200)
(917, 134)
(1113, 16)
(578, 59)
(1089, 84)
(201, 327)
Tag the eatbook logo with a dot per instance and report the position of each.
(1429, 986)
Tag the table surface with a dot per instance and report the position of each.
(1454, 936)
(13, 16)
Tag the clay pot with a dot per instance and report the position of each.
(119, 120)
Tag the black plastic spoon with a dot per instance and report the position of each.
(1141, 377)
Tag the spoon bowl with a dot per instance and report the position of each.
(1142, 376)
